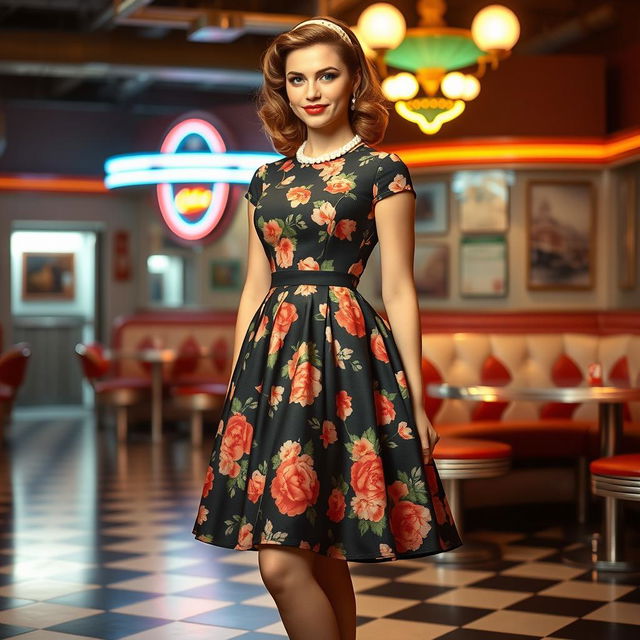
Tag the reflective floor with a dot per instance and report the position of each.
(95, 542)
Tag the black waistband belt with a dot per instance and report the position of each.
(299, 276)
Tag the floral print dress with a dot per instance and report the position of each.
(316, 446)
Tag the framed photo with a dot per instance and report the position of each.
(431, 269)
(432, 206)
(225, 273)
(48, 276)
(560, 235)
(483, 200)
(483, 266)
(627, 206)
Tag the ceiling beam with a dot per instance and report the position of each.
(100, 55)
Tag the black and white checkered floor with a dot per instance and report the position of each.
(95, 542)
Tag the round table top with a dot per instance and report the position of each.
(557, 394)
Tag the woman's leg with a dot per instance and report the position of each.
(305, 610)
(334, 578)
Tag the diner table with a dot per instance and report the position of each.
(610, 401)
(157, 359)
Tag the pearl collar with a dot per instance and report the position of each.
(326, 156)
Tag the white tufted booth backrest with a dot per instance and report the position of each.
(529, 358)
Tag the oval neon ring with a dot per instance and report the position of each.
(179, 223)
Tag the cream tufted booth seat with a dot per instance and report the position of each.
(532, 349)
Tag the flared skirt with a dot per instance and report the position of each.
(316, 446)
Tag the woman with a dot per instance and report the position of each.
(324, 451)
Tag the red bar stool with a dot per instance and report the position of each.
(198, 398)
(13, 367)
(121, 393)
(459, 459)
(616, 478)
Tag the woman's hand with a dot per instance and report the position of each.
(428, 435)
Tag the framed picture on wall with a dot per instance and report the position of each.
(431, 269)
(432, 206)
(483, 266)
(225, 273)
(48, 276)
(483, 200)
(561, 225)
(627, 207)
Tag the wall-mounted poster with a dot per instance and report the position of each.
(560, 235)
(483, 266)
(627, 207)
(432, 206)
(225, 273)
(431, 269)
(48, 276)
(483, 200)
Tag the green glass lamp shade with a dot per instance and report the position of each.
(440, 48)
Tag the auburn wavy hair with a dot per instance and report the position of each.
(281, 125)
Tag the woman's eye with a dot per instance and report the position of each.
(329, 73)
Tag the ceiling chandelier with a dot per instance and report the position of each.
(434, 82)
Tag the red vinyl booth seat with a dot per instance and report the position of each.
(544, 438)
(202, 339)
(469, 448)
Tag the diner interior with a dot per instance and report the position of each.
(120, 282)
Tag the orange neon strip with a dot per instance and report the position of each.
(533, 150)
(31, 182)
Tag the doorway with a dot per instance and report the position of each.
(53, 307)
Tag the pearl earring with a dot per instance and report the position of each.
(353, 102)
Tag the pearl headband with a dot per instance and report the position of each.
(327, 23)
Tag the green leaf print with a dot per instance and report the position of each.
(327, 265)
(372, 437)
(308, 448)
(232, 524)
(242, 476)
(275, 461)
(417, 491)
(363, 526)
(366, 159)
(378, 527)
(356, 365)
(381, 327)
(269, 535)
(311, 514)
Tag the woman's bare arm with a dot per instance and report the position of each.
(395, 225)
(395, 217)
(256, 285)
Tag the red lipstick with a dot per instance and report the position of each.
(315, 108)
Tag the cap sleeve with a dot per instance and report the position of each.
(254, 191)
(392, 176)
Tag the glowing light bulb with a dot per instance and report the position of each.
(453, 85)
(471, 87)
(382, 26)
(495, 27)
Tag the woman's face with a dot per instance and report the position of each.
(316, 75)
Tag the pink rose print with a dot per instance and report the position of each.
(298, 195)
(337, 506)
(255, 487)
(343, 405)
(329, 435)
(409, 524)
(295, 486)
(236, 441)
(385, 411)
(208, 482)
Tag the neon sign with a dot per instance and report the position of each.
(192, 173)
